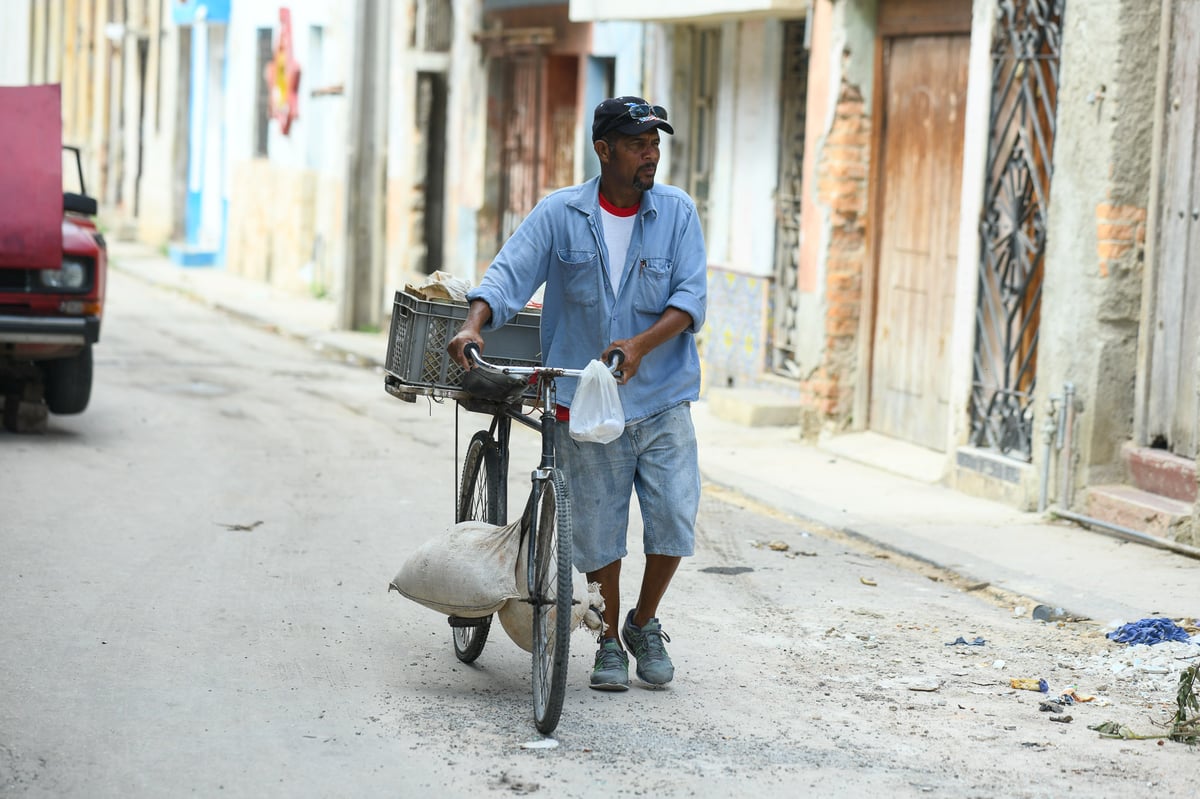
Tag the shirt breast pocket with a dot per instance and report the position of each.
(580, 275)
(654, 285)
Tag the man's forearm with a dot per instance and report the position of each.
(672, 322)
(478, 314)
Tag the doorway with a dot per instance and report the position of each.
(920, 150)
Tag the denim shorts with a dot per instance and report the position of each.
(656, 457)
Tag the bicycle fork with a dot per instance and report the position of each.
(539, 478)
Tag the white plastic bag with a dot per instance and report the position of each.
(596, 413)
(470, 571)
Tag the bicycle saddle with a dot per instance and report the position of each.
(492, 384)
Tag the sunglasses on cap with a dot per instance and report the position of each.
(639, 113)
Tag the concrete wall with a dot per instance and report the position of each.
(164, 143)
(466, 143)
(1099, 195)
(285, 222)
(977, 119)
(740, 238)
(15, 54)
(742, 219)
(833, 251)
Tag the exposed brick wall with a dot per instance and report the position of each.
(843, 165)
(1120, 236)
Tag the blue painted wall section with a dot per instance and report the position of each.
(189, 12)
(734, 341)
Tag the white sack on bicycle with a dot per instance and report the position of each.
(468, 571)
(596, 413)
(516, 615)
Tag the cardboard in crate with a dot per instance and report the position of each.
(421, 329)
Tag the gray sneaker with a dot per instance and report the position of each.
(611, 672)
(646, 643)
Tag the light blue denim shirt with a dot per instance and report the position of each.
(561, 244)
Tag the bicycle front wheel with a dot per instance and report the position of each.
(551, 595)
(479, 498)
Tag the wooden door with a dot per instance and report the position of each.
(1173, 397)
(920, 152)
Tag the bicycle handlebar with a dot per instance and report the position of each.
(615, 359)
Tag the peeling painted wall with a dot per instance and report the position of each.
(842, 56)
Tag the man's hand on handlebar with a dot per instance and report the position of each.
(457, 346)
(628, 356)
(478, 314)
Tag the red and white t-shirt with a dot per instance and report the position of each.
(618, 230)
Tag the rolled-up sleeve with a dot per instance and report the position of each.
(518, 270)
(689, 281)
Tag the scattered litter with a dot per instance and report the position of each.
(1050, 707)
(544, 743)
(1029, 684)
(1149, 632)
(1072, 695)
(960, 641)
(1047, 613)
(1111, 729)
(867, 581)
(928, 686)
(241, 528)
(778, 546)
(999, 664)
(1062, 719)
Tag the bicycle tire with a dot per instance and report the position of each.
(479, 498)
(551, 544)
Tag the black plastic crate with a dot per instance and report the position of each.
(421, 329)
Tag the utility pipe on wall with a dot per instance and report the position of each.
(1066, 488)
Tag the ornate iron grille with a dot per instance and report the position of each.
(785, 303)
(1026, 48)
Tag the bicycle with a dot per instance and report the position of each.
(502, 391)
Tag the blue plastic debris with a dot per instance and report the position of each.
(960, 641)
(1149, 632)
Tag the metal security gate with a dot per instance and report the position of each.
(786, 300)
(1026, 49)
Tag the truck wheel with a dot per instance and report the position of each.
(69, 382)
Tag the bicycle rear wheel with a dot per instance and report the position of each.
(479, 498)
(551, 594)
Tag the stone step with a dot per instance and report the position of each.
(1137, 509)
(1161, 472)
(753, 407)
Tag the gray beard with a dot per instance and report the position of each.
(643, 185)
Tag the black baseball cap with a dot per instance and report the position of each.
(628, 115)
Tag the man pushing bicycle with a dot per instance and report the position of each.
(624, 267)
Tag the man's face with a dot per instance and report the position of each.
(630, 160)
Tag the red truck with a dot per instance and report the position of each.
(53, 263)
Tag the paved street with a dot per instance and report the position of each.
(195, 574)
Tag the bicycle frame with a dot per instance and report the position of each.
(502, 415)
(549, 593)
(544, 421)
